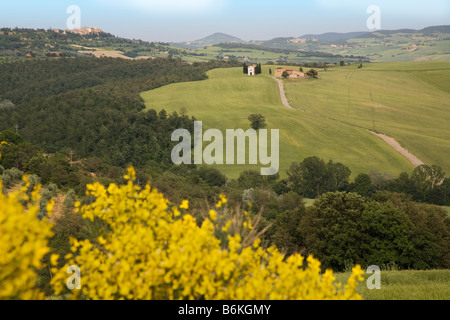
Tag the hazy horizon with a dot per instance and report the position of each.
(179, 20)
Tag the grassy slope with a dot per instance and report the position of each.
(408, 101)
(228, 97)
(407, 285)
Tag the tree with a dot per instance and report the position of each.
(270, 71)
(331, 229)
(245, 68)
(427, 178)
(285, 233)
(10, 137)
(257, 121)
(309, 178)
(344, 227)
(212, 176)
(338, 176)
(301, 69)
(313, 73)
(403, 184)
(258, 69)
(429, 232)
(363, 185)
(285, 74)
(342, 63)
(380, 180)
(250, 179)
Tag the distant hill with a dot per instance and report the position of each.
(210, 40)
(431, 43)
(219, 38)
(280, 42)
(333, 36)
(426, 31)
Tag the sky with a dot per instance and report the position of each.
(184, 20)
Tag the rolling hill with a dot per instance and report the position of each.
(333, 36)
(407, 101)
(210, 40)
(431, 43)
(228, 97)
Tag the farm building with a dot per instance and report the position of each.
(293, 74)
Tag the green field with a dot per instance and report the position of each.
(406, 285)
(408, 101)
(255, 55)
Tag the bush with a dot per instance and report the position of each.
(34, 181)
(151, 251)
(53, 188)
(23, 244)
(9, 177)
(313, 73)
(7, 182)
(429, 233)
(257, 121)
(285, 233)
(46, 196)
(14, 173)
(389, 229)
(212, 176)
(332, 229)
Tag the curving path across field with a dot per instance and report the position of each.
(283, 93)
(394, 144)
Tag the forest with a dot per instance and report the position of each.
(93, 107)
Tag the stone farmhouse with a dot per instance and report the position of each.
(293, 74)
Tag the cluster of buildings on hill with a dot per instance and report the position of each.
(292, 74)
(83, 31)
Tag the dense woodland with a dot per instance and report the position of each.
(69, 122)
(93, 107)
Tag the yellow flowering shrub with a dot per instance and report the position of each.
(148, 250)
(23, 243)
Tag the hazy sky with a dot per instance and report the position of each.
(179, 20)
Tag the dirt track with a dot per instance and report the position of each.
(282, 93)
(394, 144)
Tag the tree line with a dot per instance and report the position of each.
(345, 225)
